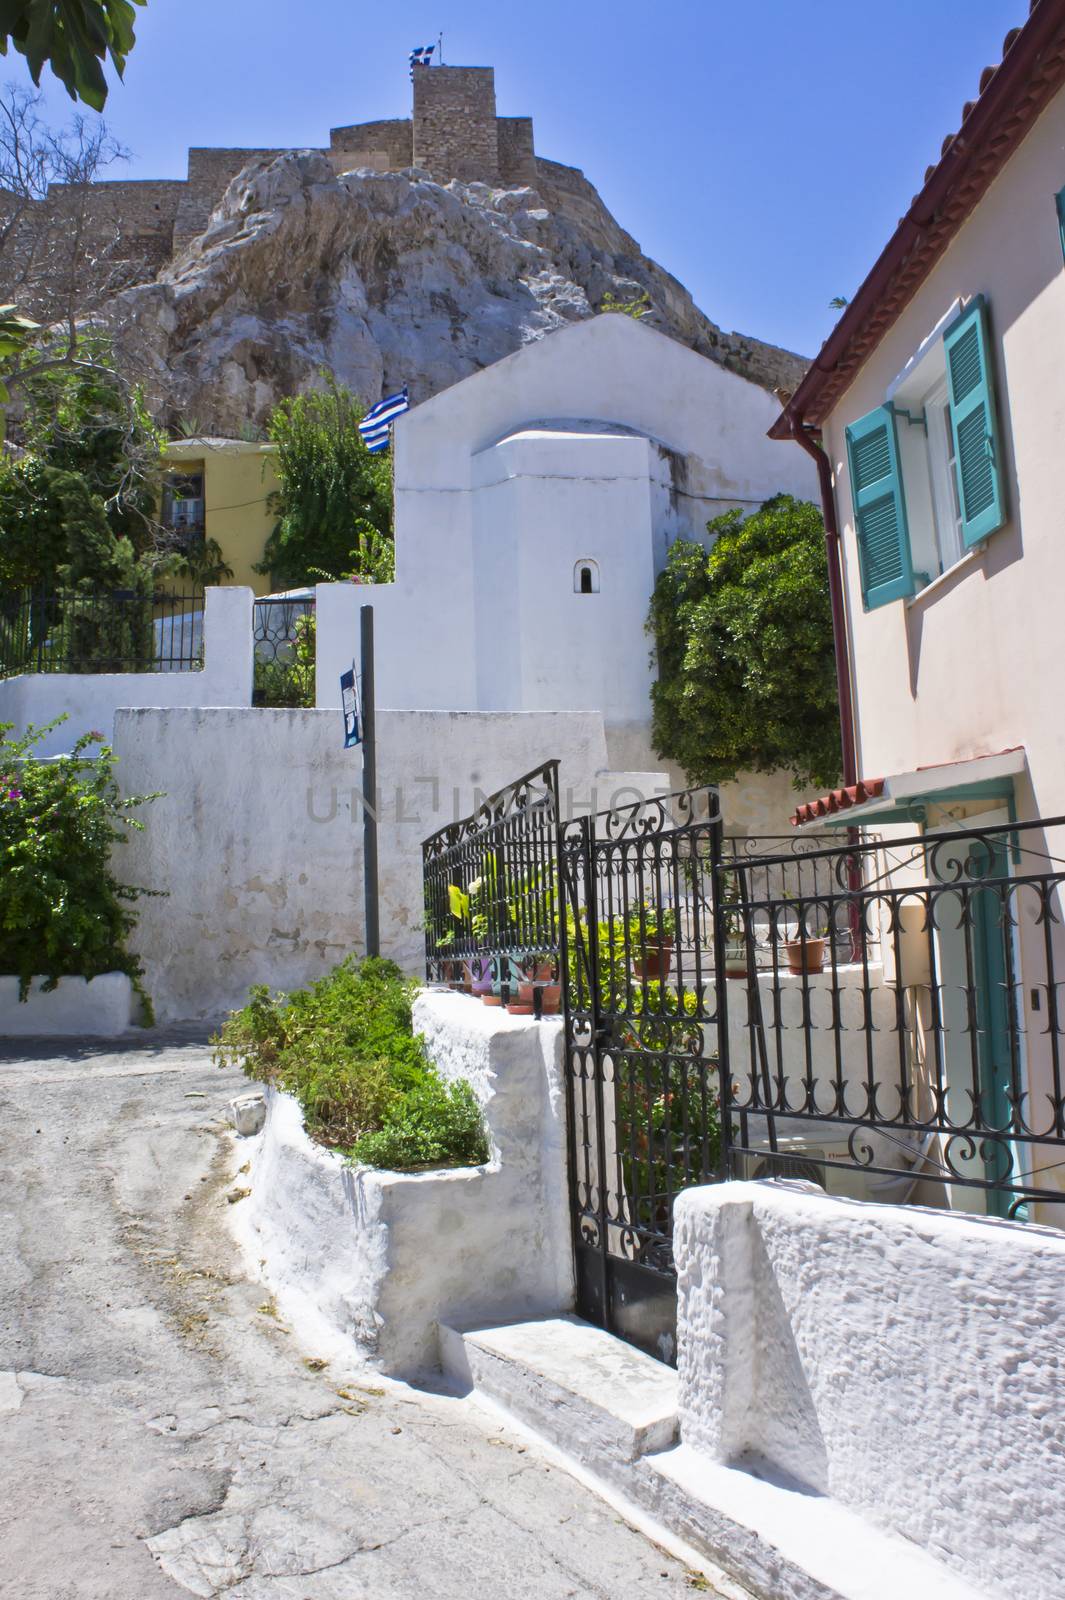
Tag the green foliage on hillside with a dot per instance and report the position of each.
(743, 636)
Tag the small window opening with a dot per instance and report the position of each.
(586, 577)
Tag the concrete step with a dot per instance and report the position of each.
(588, 1393)
(611, 1412)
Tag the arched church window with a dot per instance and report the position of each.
(586, 577)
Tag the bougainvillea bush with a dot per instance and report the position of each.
(63, 912)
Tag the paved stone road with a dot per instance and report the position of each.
(162, 1434)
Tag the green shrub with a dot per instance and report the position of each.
(346, 1049)
(435, 1125)
(63, 913)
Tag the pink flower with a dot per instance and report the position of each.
(96, 737)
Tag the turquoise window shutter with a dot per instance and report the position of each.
(977, 448)
(879, 509)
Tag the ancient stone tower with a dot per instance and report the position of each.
(453, 133)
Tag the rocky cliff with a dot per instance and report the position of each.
(387, 278)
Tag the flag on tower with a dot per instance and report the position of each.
(420, 56)
(376, 424)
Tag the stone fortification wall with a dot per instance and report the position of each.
(386, 146)
(517, 157)
(210, 173)
(454, 133)
(455, 127)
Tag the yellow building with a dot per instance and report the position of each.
(219, 489)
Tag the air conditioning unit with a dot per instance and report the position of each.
(829, 1164)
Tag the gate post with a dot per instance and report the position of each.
(717, 871)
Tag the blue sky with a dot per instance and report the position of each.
(762, 152)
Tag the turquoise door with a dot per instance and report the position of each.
(996, 1039)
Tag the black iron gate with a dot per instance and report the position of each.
(896, 1011)
(643, 993)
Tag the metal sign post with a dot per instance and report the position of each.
(369, 784)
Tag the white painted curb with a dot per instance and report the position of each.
(92, 1008)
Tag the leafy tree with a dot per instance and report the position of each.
(743, 634)
(63, 912)
(87, 420)
(74, 37)
(55, 531)
(76, 507)
(334, 504)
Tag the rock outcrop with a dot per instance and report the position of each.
(389, 278)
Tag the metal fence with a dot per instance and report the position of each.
(896, 1018)
(116, 630)
(491, 896)
(283, 628)
(881, 1017)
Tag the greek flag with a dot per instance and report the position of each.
(377, 422)
(419, 57)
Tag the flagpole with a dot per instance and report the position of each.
(440, 50)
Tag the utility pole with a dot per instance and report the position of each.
(369, 784)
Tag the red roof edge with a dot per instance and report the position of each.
(992, 127)
(836, 800)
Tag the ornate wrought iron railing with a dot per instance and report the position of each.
(643, 995)
(896, 1016)
(491, 896)
(101, 631)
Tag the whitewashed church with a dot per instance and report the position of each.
(535, 504)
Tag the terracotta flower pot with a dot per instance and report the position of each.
(491, 1000)
(551, 993)
(808, 957)
(655, 961)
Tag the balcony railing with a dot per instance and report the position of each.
(101, 631)
(895, 1017)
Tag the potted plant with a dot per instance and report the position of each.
(538, 972)
(652, 930)
(735, 953)
(805, 949)
(467, 910)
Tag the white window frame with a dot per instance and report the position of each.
(944, 480)
(926, 456)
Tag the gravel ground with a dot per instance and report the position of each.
(165, 1434)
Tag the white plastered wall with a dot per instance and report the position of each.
(972, 665)
(90, 699)
(906, 1363)
(376, 1260)
(256, 841)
